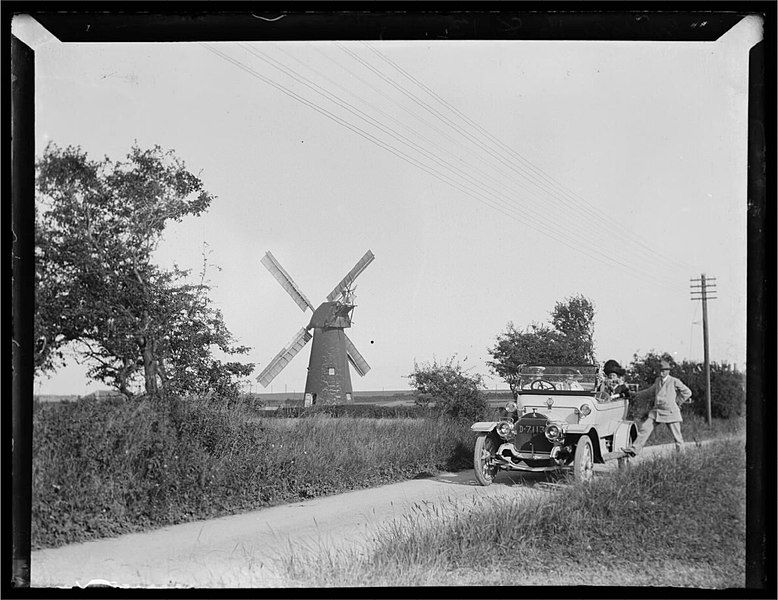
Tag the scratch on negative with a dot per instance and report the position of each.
(266, 19)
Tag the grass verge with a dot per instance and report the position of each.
(677, 520)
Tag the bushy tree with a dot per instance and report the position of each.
(573, 318)
(449, 389)
(727, 385)
(98, 290)
(567, 339)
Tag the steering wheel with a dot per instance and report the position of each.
(541, 384)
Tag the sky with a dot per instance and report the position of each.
(490, 179)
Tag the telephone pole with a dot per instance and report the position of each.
(701, 289)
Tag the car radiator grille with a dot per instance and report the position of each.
(530, 434)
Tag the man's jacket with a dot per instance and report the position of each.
(667, 397)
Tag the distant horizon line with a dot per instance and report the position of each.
(356, 393)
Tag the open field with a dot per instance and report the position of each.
(381, 398)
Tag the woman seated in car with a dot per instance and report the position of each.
(613, 384)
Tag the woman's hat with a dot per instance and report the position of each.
(611, 366)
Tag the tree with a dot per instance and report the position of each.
(568, 339)
(727, 386)
(450, 389)
(574, 319)
(98, 224)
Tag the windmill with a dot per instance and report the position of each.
(329, 380)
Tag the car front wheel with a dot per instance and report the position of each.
(583, 465)
(485, 449)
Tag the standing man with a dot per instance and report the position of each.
(668, 393)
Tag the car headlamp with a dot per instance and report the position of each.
(504, 429)
(585, 409)
(511, 407)
(553, 432)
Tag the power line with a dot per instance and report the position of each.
(415, 162)
(369, 119)
(598, 219)
(587, 207)
(598, 223)
(570, 218)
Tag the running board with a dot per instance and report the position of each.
(614, 455)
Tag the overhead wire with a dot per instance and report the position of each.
(445, 120)
(571, 219)
(574, 222)
(480, 197)
(369, 119)
(598, 220)
(372, 106)
(436, 173)
(586, 206)
(468, 136)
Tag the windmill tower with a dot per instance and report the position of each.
(329, 380)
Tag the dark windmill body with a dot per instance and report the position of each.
(329, 379)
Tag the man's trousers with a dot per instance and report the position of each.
(647, 427)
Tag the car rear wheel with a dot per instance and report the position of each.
(485, 449)
(583, 465)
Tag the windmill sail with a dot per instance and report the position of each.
(282, 359)
(355, 358)
(346, 282)
(272, 265)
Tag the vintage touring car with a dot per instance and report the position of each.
(563, 417)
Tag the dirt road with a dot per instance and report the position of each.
(242, 550)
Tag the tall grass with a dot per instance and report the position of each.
(668, 521)
(106, 468)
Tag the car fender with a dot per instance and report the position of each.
(625, 432)
(483, 426)
(578, 430)
(598, 444)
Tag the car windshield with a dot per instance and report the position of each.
(581, 378)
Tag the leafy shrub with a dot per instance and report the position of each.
(107, 468)
(727, 385)
(449, 390)
(727, 389)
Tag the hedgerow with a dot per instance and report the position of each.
(106, 468)
(727, 385)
